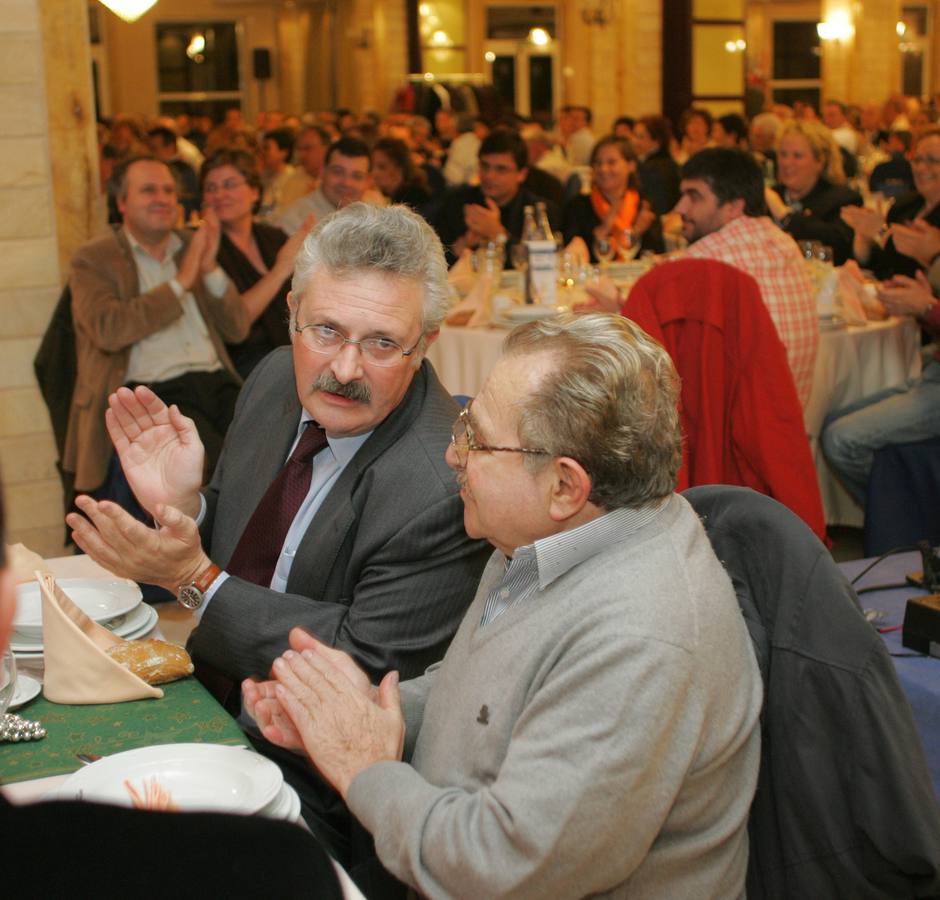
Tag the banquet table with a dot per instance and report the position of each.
(852, 362)
(919, 675)
(186, 714)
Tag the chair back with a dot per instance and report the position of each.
(903, 503)
(844, 806)
(741, 417)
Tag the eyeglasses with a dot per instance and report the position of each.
(378, 351)
(464, 440)
(228, 185)
(925, 161)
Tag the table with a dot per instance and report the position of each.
(851, 363)
(187, 712)
(919, 675)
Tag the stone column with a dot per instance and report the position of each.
(49, 199)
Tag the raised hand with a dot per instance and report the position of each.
(343, 731)
(903, 296)
(190, 267)
(168, 556)
(159, 449)
(259, 700)
(286, 256)
(917, 239)
(212, 228)
(483, 221)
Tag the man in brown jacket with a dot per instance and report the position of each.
(151, 306)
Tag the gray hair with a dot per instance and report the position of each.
(611, 403)
(392, 240)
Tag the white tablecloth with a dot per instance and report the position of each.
(851, 363)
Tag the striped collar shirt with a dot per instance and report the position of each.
(757, 246)
(534, 567)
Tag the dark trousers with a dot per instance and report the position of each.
(333, 825)
(208, 398)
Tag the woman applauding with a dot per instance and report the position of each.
(258, 258)
(614, 214)
(811, 194)
(877, 242)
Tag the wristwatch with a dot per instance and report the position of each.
(193, 595)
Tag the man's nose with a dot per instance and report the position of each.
(450, 456)
(347, 363)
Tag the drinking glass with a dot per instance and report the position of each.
(604, 250)
(7, 679)
(629, 245)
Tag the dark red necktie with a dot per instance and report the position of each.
(259, 547)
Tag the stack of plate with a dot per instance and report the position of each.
(206, 777)
(112, 602)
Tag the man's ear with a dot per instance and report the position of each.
(571, 488)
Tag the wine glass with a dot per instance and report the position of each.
(629, 245)
(7, 679)
(605, 250)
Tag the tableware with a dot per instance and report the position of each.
(7, 679)
(100, 599)
(197, 776)
(605, 250)
(135, 625)
(15, 728)
(286, 805)
(26, 689)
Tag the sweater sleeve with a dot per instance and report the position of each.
(607, 737)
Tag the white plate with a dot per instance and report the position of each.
(286, 805)
(100, 599)
(529, 312)
(27, 688)
(197, 776)
(134, 625)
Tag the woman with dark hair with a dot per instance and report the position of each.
(657, 172)
(615, 209)
(259, 258)
(395, 174)
(873, 244)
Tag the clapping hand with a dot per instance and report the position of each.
(344, 724)
(168, 556)
(903, 296)
(159, 449)
(918, 240)
(866, 223)
(483, 221)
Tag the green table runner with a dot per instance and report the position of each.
(187, 713)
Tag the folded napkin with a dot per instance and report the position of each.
(77, 668)
(477, 307)
(462, 276)
(23, 563)
(860, 302)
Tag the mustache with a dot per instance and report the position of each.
(353, 390)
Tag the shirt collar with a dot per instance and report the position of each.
(173, 245)
(343, 448)
(559, 553)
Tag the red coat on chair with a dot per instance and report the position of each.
(741, 419)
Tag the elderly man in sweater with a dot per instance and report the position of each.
(593, 728)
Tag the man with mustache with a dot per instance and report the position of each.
(151, 306)
(372, 557)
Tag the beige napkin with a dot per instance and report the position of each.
(77, 669)
(476, 308)
(461, 276)
(23, 563)
(860, 302)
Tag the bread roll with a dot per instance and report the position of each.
(156, 662)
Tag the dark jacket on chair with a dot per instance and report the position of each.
(844, 805)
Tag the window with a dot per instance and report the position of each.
(913, 44)
(198, 67)
(796, 63)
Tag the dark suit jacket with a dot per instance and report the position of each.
(450, 224)
(110, 316)
(386, 571)
(819, 219)
(888, 261)
(73, 849)
(269, 330)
